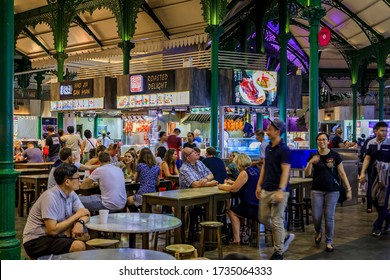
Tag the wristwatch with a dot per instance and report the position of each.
(81, 222)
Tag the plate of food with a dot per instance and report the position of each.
(264, 80)
(250, 94)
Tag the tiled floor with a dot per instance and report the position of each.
(352, 240)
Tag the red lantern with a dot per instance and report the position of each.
(324, 36)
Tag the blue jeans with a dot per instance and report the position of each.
(324, 202)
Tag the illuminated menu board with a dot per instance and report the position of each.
(77, 104)
(154, 100)
(76, 89)
(255, 88)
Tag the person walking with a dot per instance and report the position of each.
(73, 141)
(273, 188)
(53, 143)
(327, 168)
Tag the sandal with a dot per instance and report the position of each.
(317, 238)
(329, 248)
(235, 243)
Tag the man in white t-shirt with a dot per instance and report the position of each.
(111, 182)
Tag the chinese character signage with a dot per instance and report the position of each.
(153, 100)
(255, 88)
(76, 89)
(77, 104)
(154, 82)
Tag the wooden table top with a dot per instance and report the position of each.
(35, 176)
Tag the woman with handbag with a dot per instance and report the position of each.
(327, 168)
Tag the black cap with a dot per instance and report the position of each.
(278, 124)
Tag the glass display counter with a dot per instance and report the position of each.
(249, 146)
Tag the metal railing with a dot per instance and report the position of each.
(199, 59)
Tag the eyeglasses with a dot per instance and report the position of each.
(71, 178)
(193, 151)
(319, 140)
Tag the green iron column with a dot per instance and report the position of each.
(381, 61)
(39, 78)
(9, 245)
(213, 13)
(354, 109)
(95, 127)
(214, 101)
(283, 37)
(60, 120)
(60, 57)
(314, 12)
(126, 18)
(354, 78)
(126, 47)
(259, 121)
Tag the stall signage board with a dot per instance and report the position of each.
(154, 100)
(76, 89)
(154, 82)
(77, 104)
(255, 88)
(26, 93)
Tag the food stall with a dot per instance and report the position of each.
(84, 102)
(156, 101)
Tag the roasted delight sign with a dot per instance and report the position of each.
(255, 88)
(76, 89)
(154, 82)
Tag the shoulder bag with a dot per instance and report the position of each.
(342, 190)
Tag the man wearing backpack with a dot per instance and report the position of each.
(378, 149)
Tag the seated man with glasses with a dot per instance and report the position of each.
(193, 173)
(57, 219)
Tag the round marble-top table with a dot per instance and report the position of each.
(133, 223)
(112, 254)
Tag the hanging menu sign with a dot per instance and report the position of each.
(154, 82)
(76, 89)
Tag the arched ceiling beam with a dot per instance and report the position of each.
(387, 2)
(77, 19)
(29, 34)
(148, 10)
(373, 36)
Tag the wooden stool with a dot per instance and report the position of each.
(182, 251)
(307, 208)
(295, 215)
(168, 235)
(258, 230)
(103, 243)
(212, 226)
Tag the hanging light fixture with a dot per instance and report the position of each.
(173, 111)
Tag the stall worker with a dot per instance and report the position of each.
(190, 141)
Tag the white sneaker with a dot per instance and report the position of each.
(287, 241)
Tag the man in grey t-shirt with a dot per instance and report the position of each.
(32, 154)
(73, 141)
